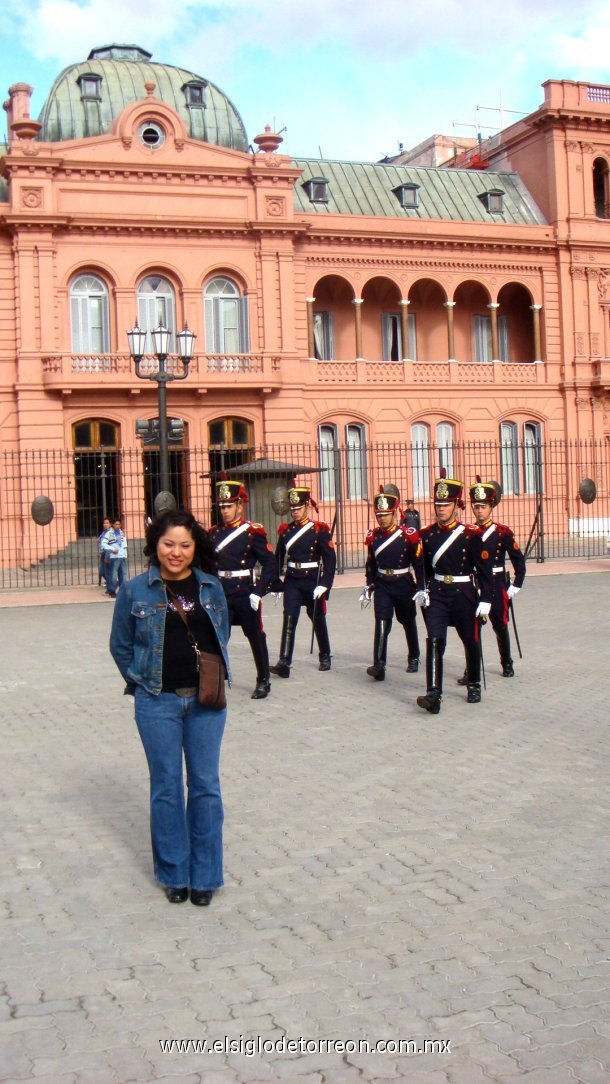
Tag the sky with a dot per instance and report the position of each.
(347, 79)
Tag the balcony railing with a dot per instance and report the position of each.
(430, 372)
(65, 371)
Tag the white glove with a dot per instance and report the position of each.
(319, 591)
(365, 596)
(423, 598)
(512, 590)
(483, 609)
(255, 601)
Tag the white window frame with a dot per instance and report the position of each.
(89, 315)
(327, 441)
(483, 345)
(156, 304)
(532, 449)
(509, 457)
(323, 336)
(225, 318)
(391, 336)
(445, 441)
(420, 460)
(356, 466)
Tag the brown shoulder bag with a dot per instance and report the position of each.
(211, 668)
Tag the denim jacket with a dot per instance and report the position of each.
(138, 626)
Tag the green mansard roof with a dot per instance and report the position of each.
(124, 69)
(455, 195)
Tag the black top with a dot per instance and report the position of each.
(179, 659)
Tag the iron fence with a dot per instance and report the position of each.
(541, 495)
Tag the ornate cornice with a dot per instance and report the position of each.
(417, 263)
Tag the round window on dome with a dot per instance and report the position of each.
(151, 134)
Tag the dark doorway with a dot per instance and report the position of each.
(96, 474)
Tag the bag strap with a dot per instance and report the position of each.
(180, 610)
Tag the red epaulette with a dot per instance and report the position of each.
(257, 528)
(473, 528)
(319, 525)
(283, 527)
(370, 536)
(409, 533)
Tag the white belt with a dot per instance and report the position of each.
(498, 568)
(302, 564)
(393, 571)
(234, 575)
(451, 579)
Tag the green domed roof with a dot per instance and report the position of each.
(86, 98)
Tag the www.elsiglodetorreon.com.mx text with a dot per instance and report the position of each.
(256, 1045)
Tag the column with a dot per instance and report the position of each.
(536, 319)
(450, 305)
(357, 302)
(495, 352)
(404, 325)
(311, 346)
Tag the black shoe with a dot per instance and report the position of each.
(177, 895)
(507, 670)
(281, 669)
(324, 662)
(474, 694)
(412, 666)
(430, 702)
(463, 680)
(263, 688)
(377, 671)
(201, 897)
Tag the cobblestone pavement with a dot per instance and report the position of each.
(390, 875)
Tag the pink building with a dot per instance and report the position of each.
(336, 304)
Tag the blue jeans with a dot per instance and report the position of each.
(186, 841)
(117, 574)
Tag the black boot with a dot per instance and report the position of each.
(282, 666)
(412, 647)
(473, 672)
(261, 658)
(463, 680)
(380, 649)
(503, 638)
(435, 649)
(321, 631)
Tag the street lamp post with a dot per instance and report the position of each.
(162, 376)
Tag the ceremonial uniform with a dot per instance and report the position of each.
(305, 549)
(240, 546)
(392, 552)
(497, 542)
(451, 561)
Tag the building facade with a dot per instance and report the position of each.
(336, 304)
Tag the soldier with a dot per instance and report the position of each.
(240, 545)
(450, 561)
(497, 541)
(411, 517)
(306, 546)
(391, 551)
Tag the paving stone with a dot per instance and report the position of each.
(388, 874)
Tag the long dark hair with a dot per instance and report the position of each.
(205, 554)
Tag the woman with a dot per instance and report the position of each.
(149, 643)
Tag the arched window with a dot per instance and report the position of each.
(89, 315)
(522, 462)
(420, 460)
(327, 435)
(601, 188)
(444, 443)
(156, 306)
(226, 318)
(532, 457)
(355, 436)
(509, 450)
